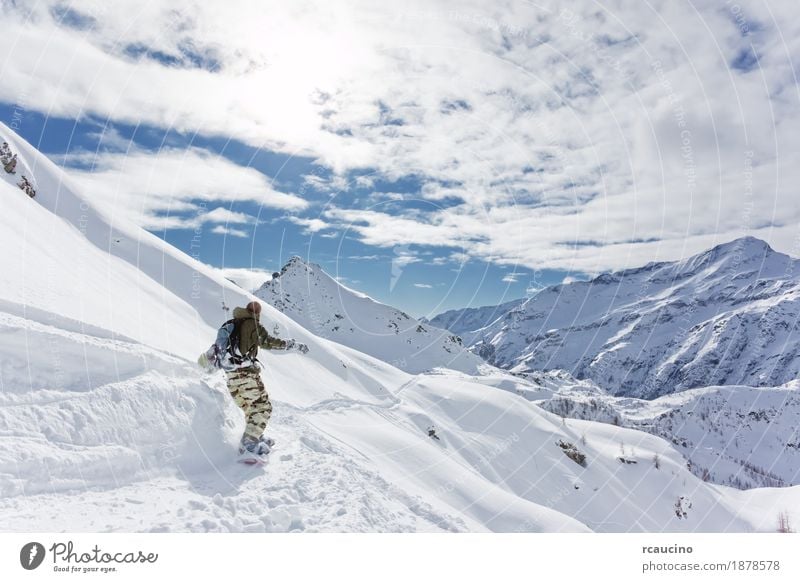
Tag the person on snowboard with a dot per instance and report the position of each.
(236, 351)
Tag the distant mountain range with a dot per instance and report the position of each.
(701, 352)
(464, 321)
(730, 315)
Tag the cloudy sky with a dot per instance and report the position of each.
(433, 154)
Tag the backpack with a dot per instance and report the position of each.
(234, 335)
(229, 341)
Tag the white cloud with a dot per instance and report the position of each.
(460, 258)
(378, 197)
(423, 285)
(310, 225)
(223, 215)
(150, 187)
(531, 125)
(402, 259)
(227, 231)
(333, 183)
(365, 181)
(108, 137)
(510, 278)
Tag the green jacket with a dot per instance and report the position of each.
(252, 334)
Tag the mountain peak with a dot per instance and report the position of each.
(738, 251)
(298, 264)
(322, 303)
(748, 243)
(295, 260)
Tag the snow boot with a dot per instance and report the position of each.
(259, 447)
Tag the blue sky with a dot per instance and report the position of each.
(422, 279)
(433, 155)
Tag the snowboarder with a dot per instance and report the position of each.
(235, 351)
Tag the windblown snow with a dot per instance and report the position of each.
(105, 417)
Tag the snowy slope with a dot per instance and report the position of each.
(67, 256)
(730, 315)
(319, 303)
(151, 449)
(733, 435)
(100, 421)
(737, 435)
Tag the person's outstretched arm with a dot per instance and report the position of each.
(275, 343)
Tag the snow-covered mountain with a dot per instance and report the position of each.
(730, 315)
(105, 415)
(322, 305)
(470, 319)
(733, 435)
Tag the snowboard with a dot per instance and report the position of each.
(253, 460)
(247, 458)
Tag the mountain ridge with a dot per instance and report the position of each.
(320, 303)
(738, 301)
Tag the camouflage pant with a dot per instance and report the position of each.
(248, 392)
